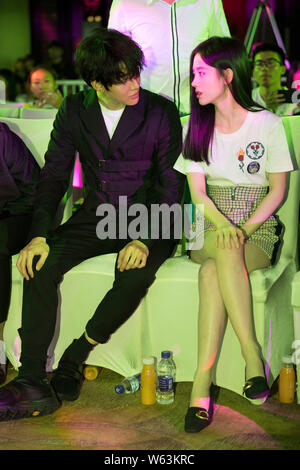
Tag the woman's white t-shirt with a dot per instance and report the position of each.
(246, 156)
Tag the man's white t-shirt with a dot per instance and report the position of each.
(111, 118)
(246, 156)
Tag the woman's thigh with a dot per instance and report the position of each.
(209, 250)
(254, 256)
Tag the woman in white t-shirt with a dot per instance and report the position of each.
(235, 157)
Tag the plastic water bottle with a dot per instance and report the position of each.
(129, 384)
(166, 376)
(287, 381)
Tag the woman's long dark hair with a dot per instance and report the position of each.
(221, 53)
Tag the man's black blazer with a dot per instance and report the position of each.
(137, 162)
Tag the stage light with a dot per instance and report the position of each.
(92, 10)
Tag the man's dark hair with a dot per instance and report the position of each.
(266, 47)
(109, 57)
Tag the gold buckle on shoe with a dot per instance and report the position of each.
(204, 413)
(247, 385)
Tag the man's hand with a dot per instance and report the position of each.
(133, 255)
(37, 247)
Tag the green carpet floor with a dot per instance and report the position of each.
(101, 419)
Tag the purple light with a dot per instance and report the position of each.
(77, 177)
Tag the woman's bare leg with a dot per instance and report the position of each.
(235, 290)
(211, 323)
(224, 285)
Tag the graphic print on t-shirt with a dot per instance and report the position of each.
(255, 150)
(253, 168)
(241, 155)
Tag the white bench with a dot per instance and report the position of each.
(167, 317)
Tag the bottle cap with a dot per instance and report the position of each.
(119, 388)
(287, 359)
(165, 354)
(148, 360)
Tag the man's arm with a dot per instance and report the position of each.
(55, 175)
(117, 17)
(169, 184)
(52, 185)
(217, 23)
(167, 188)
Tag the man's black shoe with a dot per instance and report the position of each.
(67, 380)
(26, 397)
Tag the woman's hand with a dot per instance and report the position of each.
(229, 236)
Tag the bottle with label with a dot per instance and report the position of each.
(129, 384)
(91, 372)
(148, 382)
(287, 381)
(166, 376)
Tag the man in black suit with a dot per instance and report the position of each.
(128, 140)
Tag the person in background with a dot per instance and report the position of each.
(235, 157)
(19, 173)
(43, 91)
(268, 70)
(167, 31)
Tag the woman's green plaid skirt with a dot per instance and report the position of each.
(237, 204)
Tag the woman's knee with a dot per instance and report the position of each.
(230, 256)
(207, 273)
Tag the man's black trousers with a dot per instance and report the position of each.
(70, 244)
